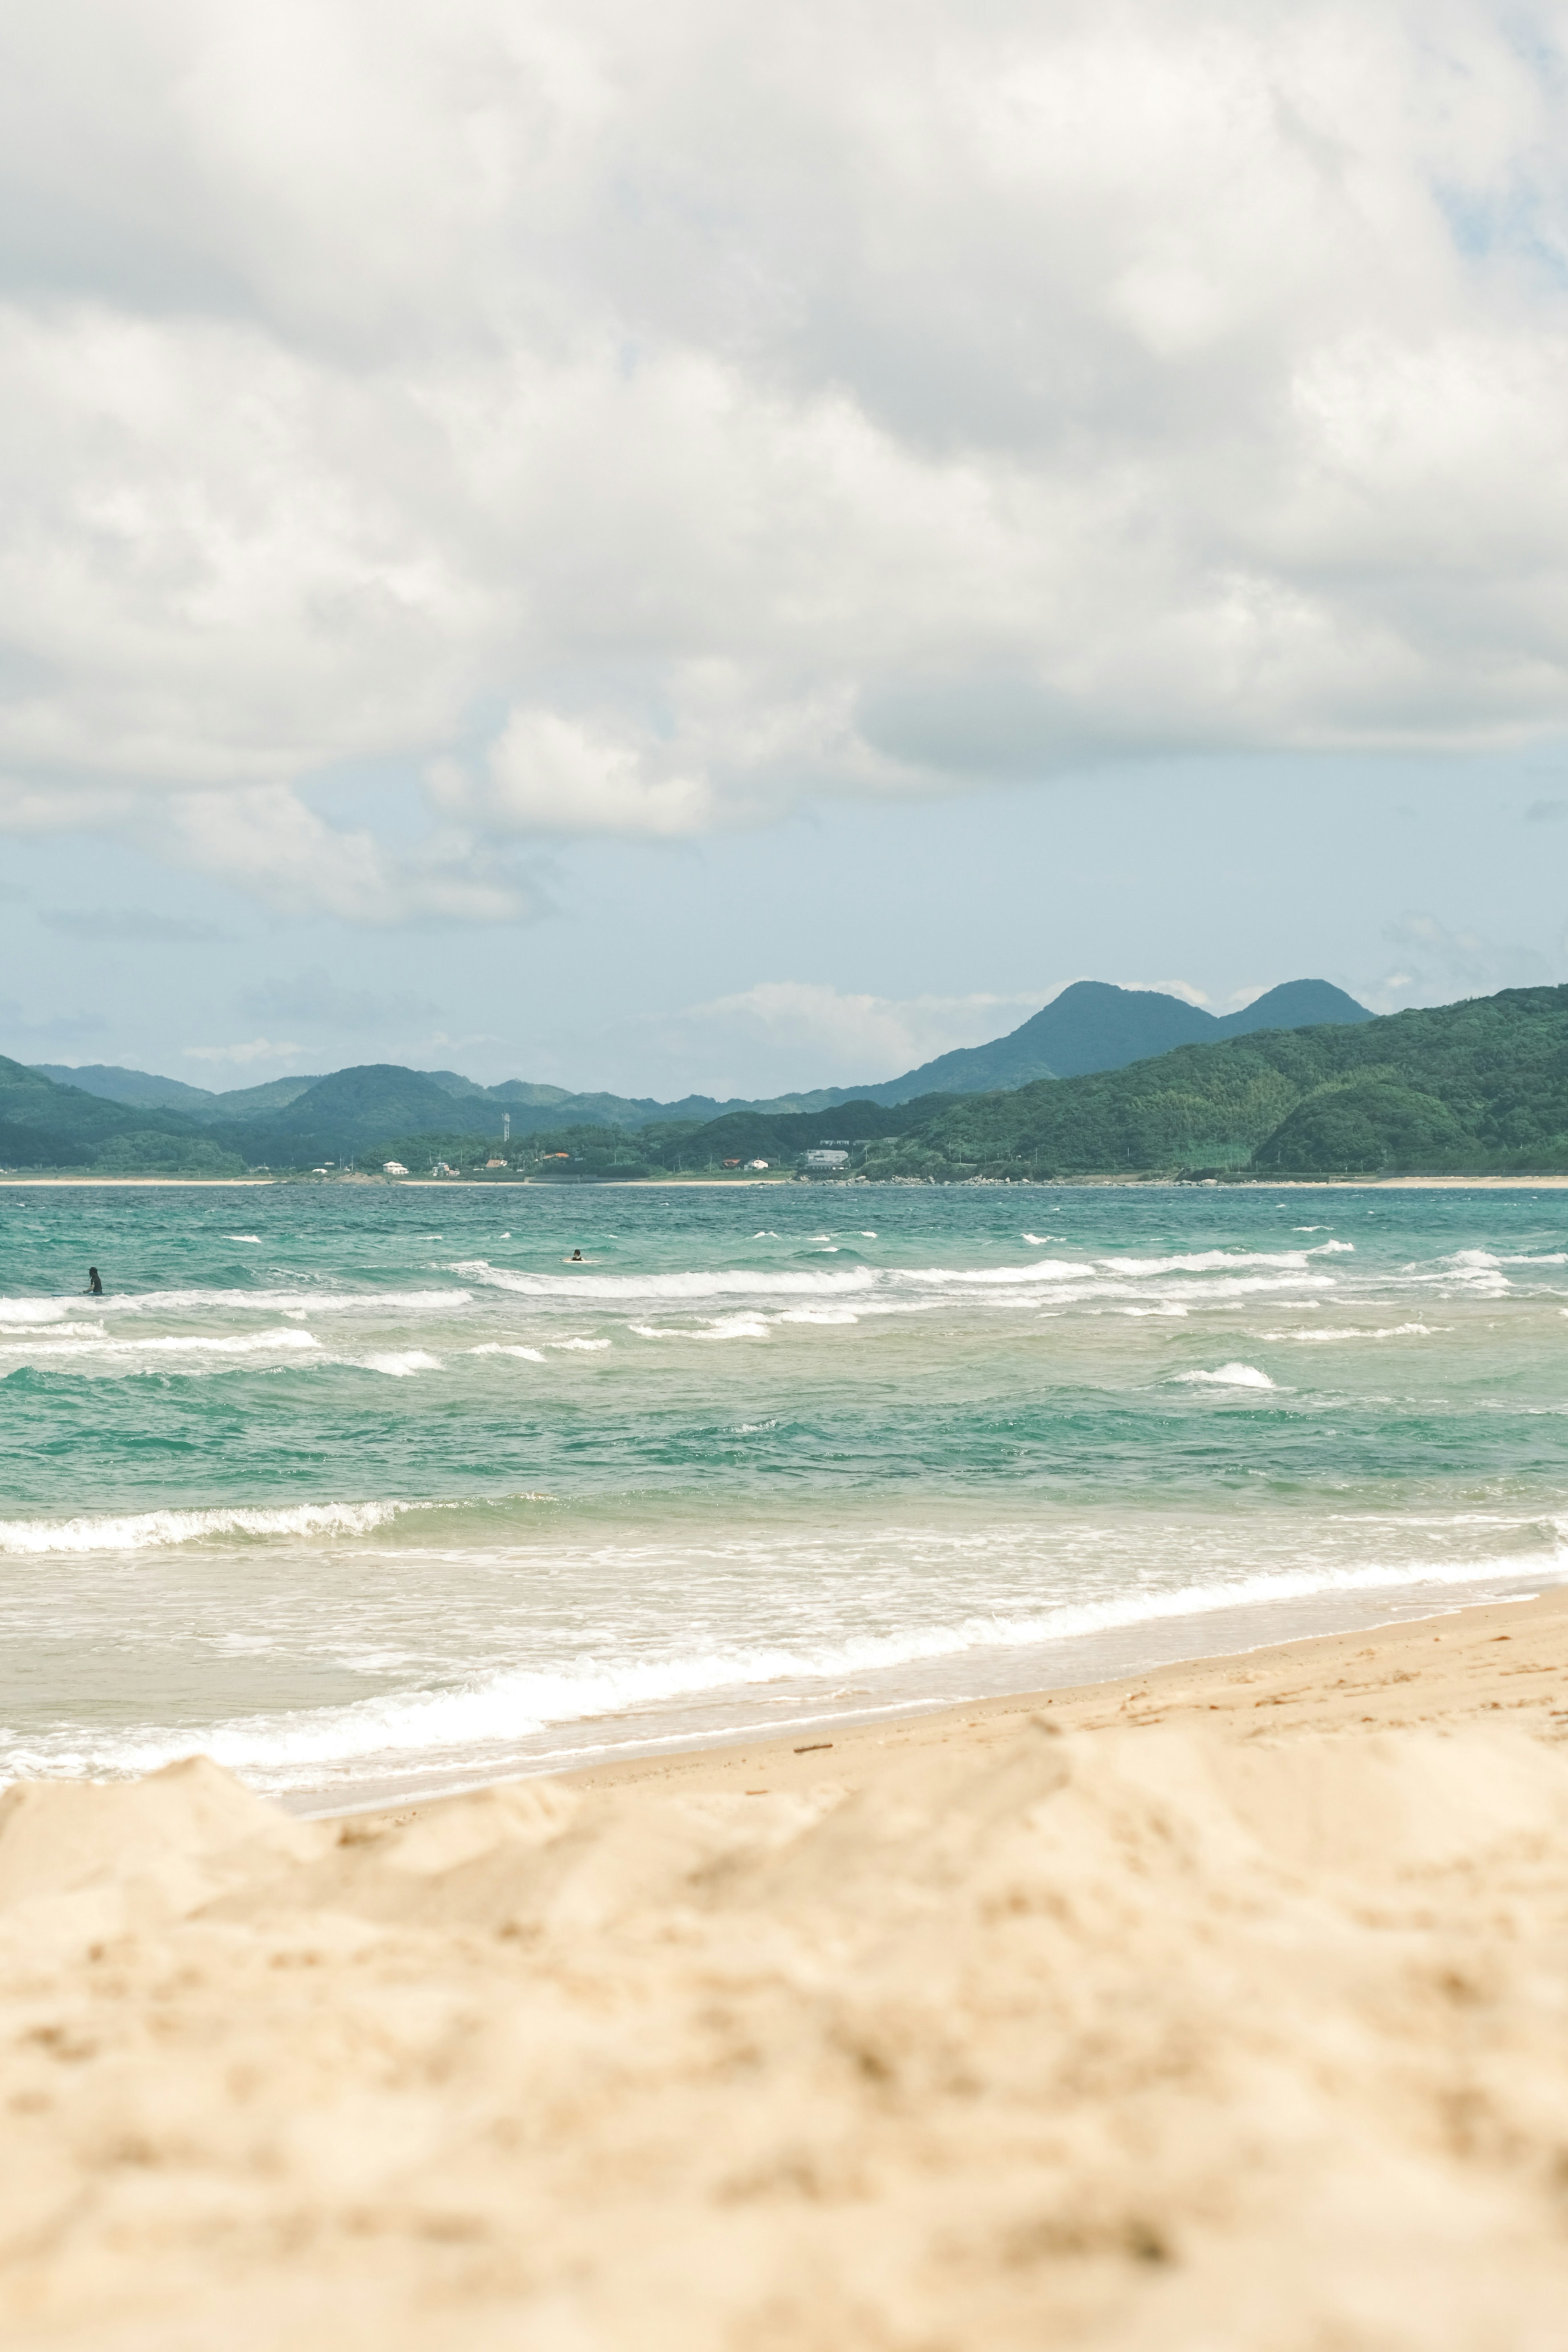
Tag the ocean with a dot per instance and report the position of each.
(367, 1491)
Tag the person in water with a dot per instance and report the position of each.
(94, 1287)
(575, 1258)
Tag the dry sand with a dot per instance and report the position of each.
(1228, 2008)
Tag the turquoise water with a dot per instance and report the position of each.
(363, 1490)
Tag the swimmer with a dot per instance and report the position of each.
(94, 1286)
(575, 1258)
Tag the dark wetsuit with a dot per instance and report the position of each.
(94, 1287)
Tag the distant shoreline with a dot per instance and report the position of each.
(819, 1184)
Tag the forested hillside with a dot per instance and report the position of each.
(1473, 1088)
(1476, 1088)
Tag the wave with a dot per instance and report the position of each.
(727, 1327)
(514, 1704)
(495, 1348)
(69, 1344)
(308, 1299)
(400, 1363)
(1230, 1376)
(1386, 1331)
(718, 1283)
(147, 1530)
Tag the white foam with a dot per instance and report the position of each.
(310, 1299)
(1230, 1376)
(719, 1282)
(501, 1708)
(145, 1530)
(584, 1346)
(57, 1336)
(1041, 1269)
(727, 1327)
(22, 1311)
(1385, 1331)
(244, 1237)
(1213, 1261)
(494, 1347)
(98, 1343)
(401, 1363)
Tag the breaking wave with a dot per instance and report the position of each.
(148, 1530)
(471, 1723)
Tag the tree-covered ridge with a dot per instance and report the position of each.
(1476, 1088)
(1472, 1089)
(43, 1125)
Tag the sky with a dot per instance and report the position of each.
(726, 549)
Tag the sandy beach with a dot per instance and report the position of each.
(1224, 2007)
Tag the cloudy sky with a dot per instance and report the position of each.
(742, 547)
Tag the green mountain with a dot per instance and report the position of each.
(1091, 1025)
(1094, 1026)
(44, 1125)
(141, 1089)
(1473, 1088)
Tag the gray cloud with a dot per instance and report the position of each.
(129, 925)
(1437, 960)
(612, 423)
(314, 997)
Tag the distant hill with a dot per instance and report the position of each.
(1476, 1088)
(45, 1125)
(1094, 1026)
(142, 1088)
(137, 1086)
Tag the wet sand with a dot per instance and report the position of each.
(1224, 2008)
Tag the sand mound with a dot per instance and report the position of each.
(1142, 2039)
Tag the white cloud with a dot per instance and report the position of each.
(617, 422)
(1438, 961)
(829, 1036)
(258, 1049)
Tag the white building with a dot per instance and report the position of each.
(756, 1163)
(827, 1159)
(392, 1168)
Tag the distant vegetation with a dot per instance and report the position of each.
(1473, 1088)
(1093, 1025)
(1479, 1088)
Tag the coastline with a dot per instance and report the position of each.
(1325, 1683)
(1223, 2007)
(820, 1184)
